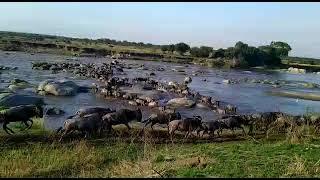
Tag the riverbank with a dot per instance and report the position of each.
(37, 153)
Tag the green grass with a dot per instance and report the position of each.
(301, 60)
(37, 153)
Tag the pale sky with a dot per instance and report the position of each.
(214, 24)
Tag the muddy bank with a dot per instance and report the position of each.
(299, 95)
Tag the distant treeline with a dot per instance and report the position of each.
(241, 55)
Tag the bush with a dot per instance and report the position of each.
(181, 47)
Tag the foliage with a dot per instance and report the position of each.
(203, 51)
(181, 47)
(281, 48)
(169, 48)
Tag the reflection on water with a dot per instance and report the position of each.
(249, 97)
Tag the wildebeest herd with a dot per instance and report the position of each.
(95, 120)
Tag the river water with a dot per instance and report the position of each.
(248, 97)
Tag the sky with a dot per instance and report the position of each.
(215, 24)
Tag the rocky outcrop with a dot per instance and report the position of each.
(58, 88)
(18, 84)
(296, 70)
(181, 102)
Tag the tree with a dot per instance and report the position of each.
(240, 46)
(181, 47)
(218, 53)
(205, 51)
(171, 48)
(195, 51)
(165, 48)
(281, 48)
(229, 53)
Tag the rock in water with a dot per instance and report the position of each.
(181, 102)
(296, 70)
(10, 100)
(58, 88)
(54, 111)
(227, 81)
(18, 84)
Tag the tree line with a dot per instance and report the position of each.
(242, 54)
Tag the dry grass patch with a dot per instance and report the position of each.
(297, 168)
(141, 168)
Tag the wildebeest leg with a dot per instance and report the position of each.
(128, 126)
(187, 134)
(244, 132)
(67, 131)
(26, 124)
(29, 126)
(152, 124)
(266, 129)
(100, 131)
(87, 136)
(6, 128)
(212, 133)
(219, 132)
(171, 133)
(203, 133)
(59, 129)
(198, 130)
(233, 133)
(148, 122)
(250, 130)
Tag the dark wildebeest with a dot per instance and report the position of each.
(187, 124)
(87, 124)
(22, 113)
(92, 110)
(123, 116)
(232, 122)
(162, 117)
(82, 112)
(210, 127)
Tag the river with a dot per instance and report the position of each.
(248, 97)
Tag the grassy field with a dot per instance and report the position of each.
(310, 64)
(37, 153)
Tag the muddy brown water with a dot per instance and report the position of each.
(248, 97)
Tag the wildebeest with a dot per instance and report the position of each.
(22, 113)
(187, 124)
(123, 116)
(220, 110)
(92, 110)
(231, 109)
(82, 112)
(162, 117)
(210, 127)
(87, 124)
(232, 122)
(206, 100)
